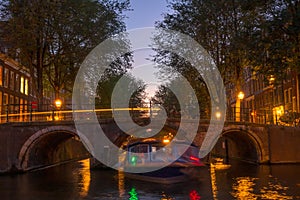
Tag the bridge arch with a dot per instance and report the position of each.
(42, 148)
(243, 144)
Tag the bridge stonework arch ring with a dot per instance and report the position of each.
(99, 60)
(29, 145)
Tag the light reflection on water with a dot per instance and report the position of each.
(76, 181)
(85, 177)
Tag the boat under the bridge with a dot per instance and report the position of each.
(151, 160)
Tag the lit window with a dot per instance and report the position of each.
(1, 74)
(26, 86)
(1, 103)
(22, 85)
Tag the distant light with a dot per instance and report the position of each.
(193, 158)
(218, 115)
(58, 103)
(271, 79)
(166, 141)
(278, 112)
(241, 95)
(133, 160)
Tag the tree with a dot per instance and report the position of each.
(223, 28)
(53, 37)
(276, 40)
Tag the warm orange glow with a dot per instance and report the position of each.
(241, 95)
(166, 141)
(121, 183)
(243, 188)
(85, 177)
(218, 115)
(213, 183)
(278, 112)
(58, 103)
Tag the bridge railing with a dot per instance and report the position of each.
(66, 114)
(22, 113)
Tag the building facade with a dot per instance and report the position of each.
(16, 95)
(264, 101)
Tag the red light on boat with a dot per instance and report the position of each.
(193, 158)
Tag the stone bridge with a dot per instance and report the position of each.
(29, 145)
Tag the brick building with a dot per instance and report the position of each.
(16, 94)
(264, 101)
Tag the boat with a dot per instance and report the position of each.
(150, 160)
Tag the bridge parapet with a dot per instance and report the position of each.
(270, 143)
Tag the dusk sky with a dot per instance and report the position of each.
(145, 13)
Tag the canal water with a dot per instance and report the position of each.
(76, 181)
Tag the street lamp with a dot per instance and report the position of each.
(58, 104)
(240, 96)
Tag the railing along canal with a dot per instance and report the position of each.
(50, 113)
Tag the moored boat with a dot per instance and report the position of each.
(152, 160)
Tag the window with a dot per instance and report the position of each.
(286, 96)
(25, 106)
(294, 104)
(22, 85)
(17, 84)
(26, 86)
(1, 75)
(12, 80)
(21, 105)
(11, 99)
(1, 105)
(17, 106)
(5, 99)
(290, 95)
(6, 77)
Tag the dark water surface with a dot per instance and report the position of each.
(76, 181)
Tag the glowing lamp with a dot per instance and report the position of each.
(241, 95)
(218, 115)
(166, 141)
(133, 160)
(58, 103)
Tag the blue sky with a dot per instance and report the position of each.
(145, 13)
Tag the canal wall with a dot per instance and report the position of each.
(284, 144)
(269, 145)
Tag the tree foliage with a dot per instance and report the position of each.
(263, 35)
(53, 37)
(275, 46)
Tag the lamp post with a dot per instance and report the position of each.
(240, 96)
(58, 104)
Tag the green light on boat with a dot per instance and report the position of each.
(133, 160)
